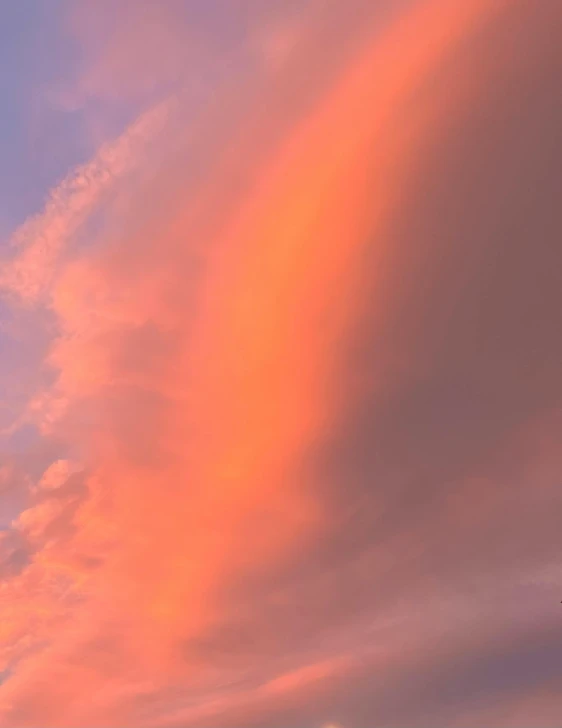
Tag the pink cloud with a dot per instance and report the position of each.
(42, 239)
(236, 536)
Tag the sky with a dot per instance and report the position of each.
(280, 392)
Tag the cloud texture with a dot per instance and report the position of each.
(295, 423)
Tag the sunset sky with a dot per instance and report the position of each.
(281, 364)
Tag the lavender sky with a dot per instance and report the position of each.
(280, 384)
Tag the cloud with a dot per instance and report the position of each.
(308, 379)
(138, 51)
(42, 239)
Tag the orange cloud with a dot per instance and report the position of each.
(197, 412)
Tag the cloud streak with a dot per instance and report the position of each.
(42, 239)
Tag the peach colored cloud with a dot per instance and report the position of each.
(198, 373)
(42, 239)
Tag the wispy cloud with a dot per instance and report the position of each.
(40, 241)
